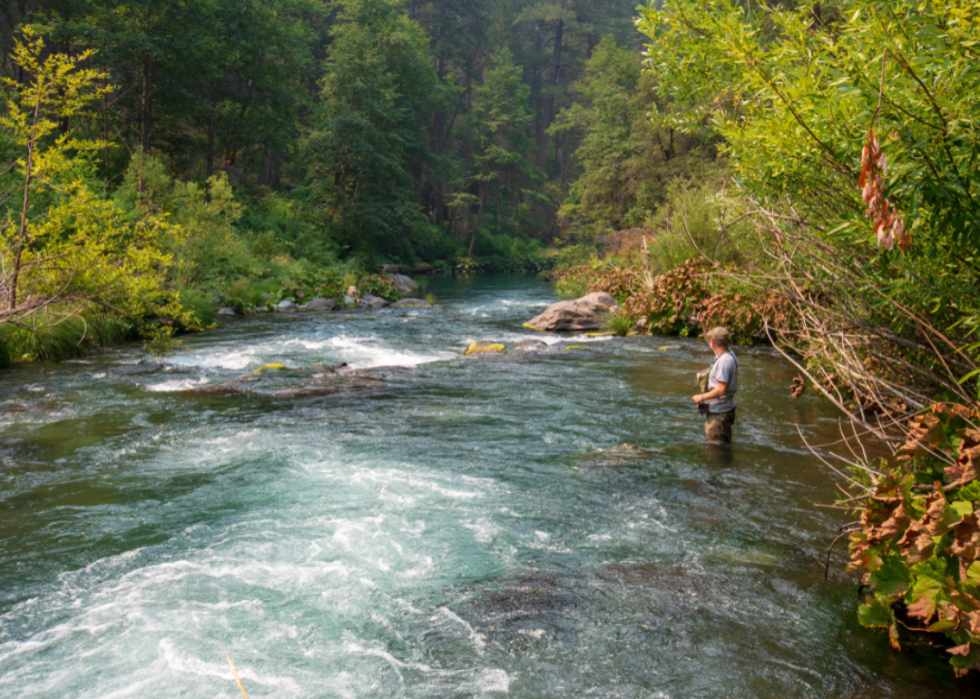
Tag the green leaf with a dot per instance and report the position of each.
(875, 614)
(892, 579)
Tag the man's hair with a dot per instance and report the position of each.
(719, 335)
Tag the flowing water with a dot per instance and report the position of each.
(463, 528)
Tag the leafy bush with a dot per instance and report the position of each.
(379, 285)
(918, 536)
(672, 300)
(689, 225)
(303, 283)
(199, 309)
(619, 324)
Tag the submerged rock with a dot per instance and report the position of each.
(584, 314)
(319, 304)
(520, 613)
(147, 365)
(531, 346)
(412, 303)
(278, 381)
(484, 347)
(616, 456)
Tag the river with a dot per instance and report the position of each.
(459, 529)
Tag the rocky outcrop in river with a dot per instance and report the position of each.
(579, 315)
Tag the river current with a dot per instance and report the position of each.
(465, 527)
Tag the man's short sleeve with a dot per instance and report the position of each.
(726, 365)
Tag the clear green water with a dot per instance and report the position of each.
(453, 533)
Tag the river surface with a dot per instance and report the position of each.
(454, 530)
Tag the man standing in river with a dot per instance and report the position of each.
(718, 402)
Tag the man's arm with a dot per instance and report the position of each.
(717, 392)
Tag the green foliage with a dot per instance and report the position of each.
(618, 324)
(795, 90)
(800, 96)
(303, 282)
(690, 224)
(197, 311)
(627, 163)
(495, 130)
(209, 248)
(379, 285)
(367, 130)
(65, 249)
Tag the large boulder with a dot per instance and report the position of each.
(227, 312)
(423, 268)
(374, 301)
(390, 269)
(287, 305)
(405, 285)
(323, 305)
(580, 315)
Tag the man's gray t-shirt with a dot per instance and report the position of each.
(724, 370)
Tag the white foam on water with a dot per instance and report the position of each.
(483, 530)
(367, 353)
(177, 385)
(235, 361)
(185, 663)
(490, 681)
(478, 640)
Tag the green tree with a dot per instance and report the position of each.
(66, 249)
(833, 114)
(367, 137)
(495, 130)
(627, 163)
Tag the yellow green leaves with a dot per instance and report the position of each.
(66, 248)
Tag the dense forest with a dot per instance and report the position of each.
(400, 132)
(283, 148)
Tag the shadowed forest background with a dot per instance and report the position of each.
(454, 133)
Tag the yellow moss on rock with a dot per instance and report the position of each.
(484, 346)
(268, 367)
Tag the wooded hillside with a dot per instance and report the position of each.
(402, 131)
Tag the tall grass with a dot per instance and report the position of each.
(53, 338)
(198, 305)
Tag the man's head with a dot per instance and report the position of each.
(718, 336)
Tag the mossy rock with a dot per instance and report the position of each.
(484, 347)
(268, 367)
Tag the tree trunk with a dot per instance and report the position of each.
(549, 104)
(209, 167)
(479, 218)
(26, 205)
(146, 105)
